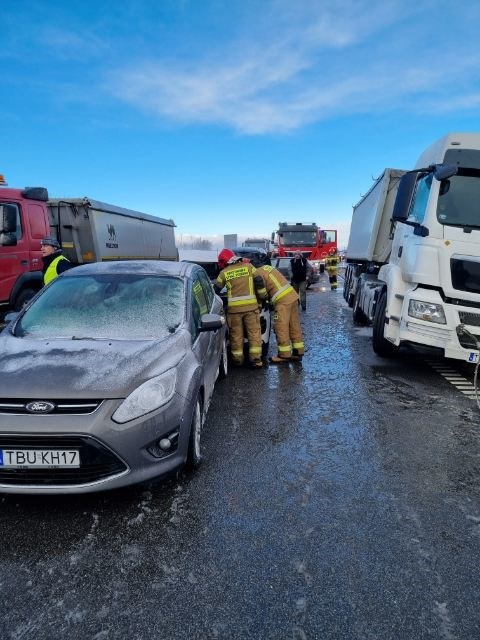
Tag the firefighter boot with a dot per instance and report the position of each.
(279, 360)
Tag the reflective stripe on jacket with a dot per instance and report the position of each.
(278, 287)
(51, 272)
(238, 278)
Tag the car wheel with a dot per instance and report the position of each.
(194, 455)
(223, 367)
(382, 347)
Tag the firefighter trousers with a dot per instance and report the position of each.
(332, 277)
(286, 323)
(239, 324)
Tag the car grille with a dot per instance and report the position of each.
(61, 407)
(96, 462)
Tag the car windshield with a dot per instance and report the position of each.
(113, 306)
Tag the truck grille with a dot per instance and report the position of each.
(471, 319)
(60, 407)
(96, 462)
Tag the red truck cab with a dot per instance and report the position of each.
(23, 223)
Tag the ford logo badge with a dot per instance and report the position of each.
(40, 407)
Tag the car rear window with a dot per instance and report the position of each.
(116, 306)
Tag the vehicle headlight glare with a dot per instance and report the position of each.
(427, 311)
(149, 396)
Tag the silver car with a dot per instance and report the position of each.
(106, 377)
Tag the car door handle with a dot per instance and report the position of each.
(24, 262)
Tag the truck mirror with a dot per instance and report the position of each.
(404, 197)
(444, 171)
(8, 218)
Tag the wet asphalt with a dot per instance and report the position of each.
(339, 498)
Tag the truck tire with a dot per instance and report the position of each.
(358, 316)
(382, 347)
(23, 297)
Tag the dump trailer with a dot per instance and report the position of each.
(88, 231)
(413, 257)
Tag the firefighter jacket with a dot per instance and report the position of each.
(243, 285)
(279, 290)
(331, 264)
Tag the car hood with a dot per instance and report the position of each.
(60, 368)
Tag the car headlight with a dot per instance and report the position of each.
(149, 396)
(426, 311)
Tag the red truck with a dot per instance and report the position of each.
(314, 243)
(88, 231)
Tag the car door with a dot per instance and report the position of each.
(204, 343)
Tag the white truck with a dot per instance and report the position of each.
(413, 256)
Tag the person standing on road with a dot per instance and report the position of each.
(243, 285)
(299, 277)
(331, 265)
(54, 262)
(286, 320)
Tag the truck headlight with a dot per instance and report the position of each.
(149, 396)
(426, 311)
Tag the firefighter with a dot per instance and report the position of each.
(331, 265)
(243, 285)
(286, 320)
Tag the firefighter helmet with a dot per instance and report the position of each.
(226, 256)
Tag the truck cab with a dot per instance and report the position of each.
(23, 223)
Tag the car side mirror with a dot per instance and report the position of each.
(211, 322)
(8, 219)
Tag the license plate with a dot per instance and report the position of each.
(473, 356)
(34, 458)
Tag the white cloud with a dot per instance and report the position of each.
(310, 65)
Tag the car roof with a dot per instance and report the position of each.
(249, 250)
(133, 267)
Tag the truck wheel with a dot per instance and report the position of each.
(358, 316)
(381, 346)
(23, 297)
(194, 455)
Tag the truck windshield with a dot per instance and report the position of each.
(299, 238)
(112, 306)
(459, 199)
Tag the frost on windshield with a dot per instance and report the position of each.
(117, 306)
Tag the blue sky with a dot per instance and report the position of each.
(231, 115)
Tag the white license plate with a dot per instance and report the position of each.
(28, 458)
(473, 356)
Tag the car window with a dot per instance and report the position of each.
(117, 306)
(207, 289)
(199, 305)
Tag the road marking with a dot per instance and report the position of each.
(455, 379)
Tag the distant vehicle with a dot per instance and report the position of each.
(88, 231)
(314, 243)
(107, 376)
(285, 267)
(413, 256)
(257, 256)
(259, 243)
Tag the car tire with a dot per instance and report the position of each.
(382, 347)
(23, 297)
(223, 367)
(194, 454)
